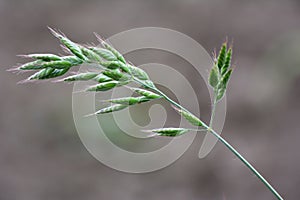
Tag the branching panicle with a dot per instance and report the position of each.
(116, 72)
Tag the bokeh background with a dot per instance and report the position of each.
(41, 156)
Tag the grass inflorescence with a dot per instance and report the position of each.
(115, 71)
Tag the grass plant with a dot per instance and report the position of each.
(115, 71)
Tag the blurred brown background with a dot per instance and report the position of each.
(41, 156)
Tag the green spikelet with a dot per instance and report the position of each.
(137, 72)
(226, 77)
(146, 93)
(189, 117)
(227, 62)
(102, 86)
(115, 74)
(112, 108)
(60, 64)
(58, 72)
(221, 58)
(42, 74)
(104, 53)
(73, 47)
(223, 84)
(129, 100)
(170, 132)
(101, 78)
(81, 77)
(34, 65)
(48, 73)
(90, 55)
(214, 77)
(114, 51)
(112, 64)
(43, 56)
(73, 60)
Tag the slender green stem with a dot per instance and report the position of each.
(213, 110)
(257, 174)
(214, 133)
